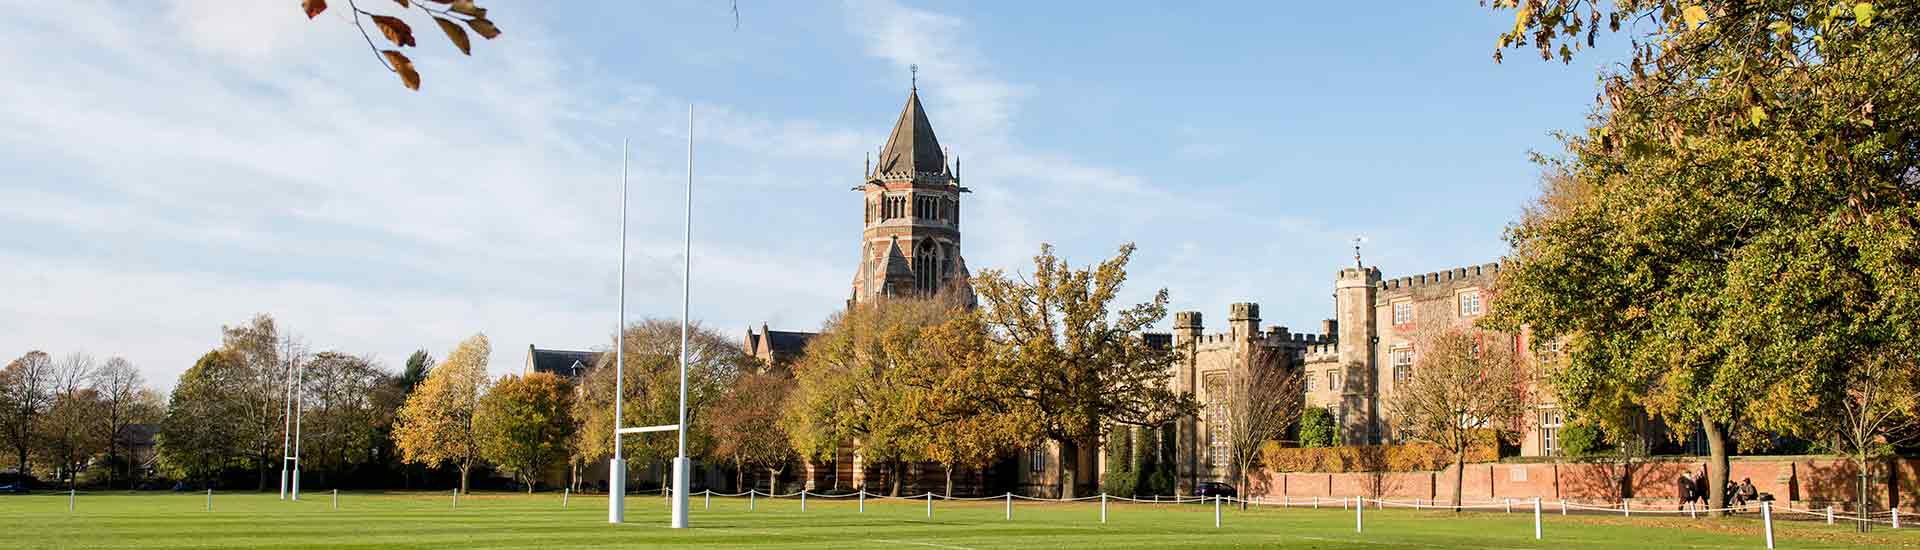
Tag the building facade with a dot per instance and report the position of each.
(1352, 367)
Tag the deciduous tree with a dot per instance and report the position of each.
(200, 436)
(26, 392)
(523, 425)
(1264, 397)
(126, 401)
(1076, 364)
(436, 423)
(653, 392)
(350, 403)
(746, 424)
(1465, 385)
(1737, 227)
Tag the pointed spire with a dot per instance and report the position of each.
(912, 148)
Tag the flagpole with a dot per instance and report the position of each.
(617, 466)
(681, 464)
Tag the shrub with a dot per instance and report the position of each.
(1317, 429)
(1581, 440)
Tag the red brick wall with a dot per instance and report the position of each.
(1806, 480)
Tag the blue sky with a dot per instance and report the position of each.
(173, 169)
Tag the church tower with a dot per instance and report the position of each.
(911, 242)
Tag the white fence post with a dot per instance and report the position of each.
(209, 499)
(1536, 518)
(750, 499)
(1103, 507)
(929, 504)
(1509, 505)
(803, 500)
(1829, 514)
(1626, 507)
(1359, 511)
(456, 498)
(1009, 505)
(1896, 518)
(1216, 511)
(863, 500)
(707, 496)
(70, 494)
(1286, 501)
(336, 499)
(1766, 519)
(565, 495)
(1563, 506)
(1316, 503)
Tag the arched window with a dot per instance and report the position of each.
(925, 262)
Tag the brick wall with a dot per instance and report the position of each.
(1803, 481)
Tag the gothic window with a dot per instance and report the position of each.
(1470, 303)
(1402, 366)
(924, 264)
(1333, 379)
(1309, 383)
(1217, 429)
(1402, 313)
(1037, 459)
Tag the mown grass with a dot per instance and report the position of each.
(503, 520)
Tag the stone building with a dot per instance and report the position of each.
(1352, 367)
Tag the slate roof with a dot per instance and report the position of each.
(561, 362)
(912, 148)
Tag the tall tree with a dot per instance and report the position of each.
(1878, 411)
(126, 400)
(653, 391)
(523, 425)
(747, 430)
(69, 433)
(267, 358)
(948, 368)
(1264, 398)
(436, 423)
(348, 406)
(199, 437)
(1466, 385)
(1737, 228)
(855, 384)
(1076, 364)
(27, 392)
(418, 365)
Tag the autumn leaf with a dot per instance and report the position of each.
(1695, 15)
(456, 34)
(396, 30)
(1863, 13)
(313, 7)
(466, 7)
(403, 3)
(484, 27)
(404, 66)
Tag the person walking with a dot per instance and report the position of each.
(1685, 492)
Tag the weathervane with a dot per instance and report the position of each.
(915, 69)
(1356, 251)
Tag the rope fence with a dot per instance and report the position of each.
(1537, 508)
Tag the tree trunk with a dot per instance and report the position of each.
(463, 477)
(1459, 474)
(1068, 463)
(1716, 466)
(893, 477)
(773, 481)
(949, 481)
(739, 477)
(262, 469)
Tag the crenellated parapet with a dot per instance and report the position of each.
(1441, 277)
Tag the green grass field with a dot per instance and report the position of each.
(501, 520)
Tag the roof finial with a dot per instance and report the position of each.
(915, 70)
(1356, 252)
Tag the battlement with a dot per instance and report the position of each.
(1440, 277)
(1322, 353)
(1186, 319)
(1273, 336)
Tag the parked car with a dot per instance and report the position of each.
(14, 489)
(1214, 488)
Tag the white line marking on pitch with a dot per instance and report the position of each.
(920, 544)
